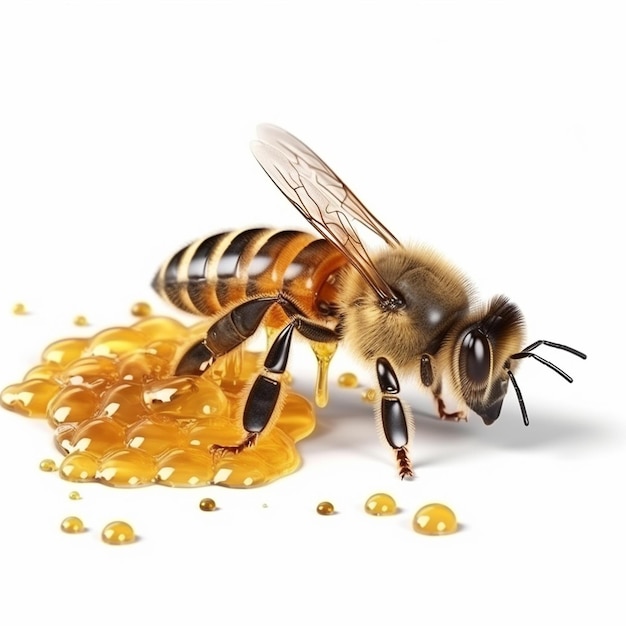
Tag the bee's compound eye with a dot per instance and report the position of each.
(476, 356)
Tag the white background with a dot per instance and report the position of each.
(494, 131)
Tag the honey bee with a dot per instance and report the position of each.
(405, 310)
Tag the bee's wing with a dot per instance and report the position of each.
(320, 195)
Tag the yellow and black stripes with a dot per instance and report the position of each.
(214, 273)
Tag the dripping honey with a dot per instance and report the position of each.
(123, 418)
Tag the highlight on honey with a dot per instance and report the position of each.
(123, 418)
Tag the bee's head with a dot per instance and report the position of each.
(481, 358)
(485, 355)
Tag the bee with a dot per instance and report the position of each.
(405, 311)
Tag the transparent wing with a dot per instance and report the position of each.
(320, 195)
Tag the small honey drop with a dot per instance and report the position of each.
(348, 380)
(207, 504)
(81, 320)
(325, 508)
(48, 465)
(118, 533)
(369, 395)
(19, 308)
(141, 309)
(381, 504)
(435, 519)
(74, 495)
(72, 525)
(324, 353)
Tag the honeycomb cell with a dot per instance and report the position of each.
(185, 468)
(123, 403)
(30, 397)
(435, 519)
(114, 342)
(64, 351)
(79, 467)
(127, 468)
(74, 403)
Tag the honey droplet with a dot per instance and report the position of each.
(30, 397)
(381, 504)
(81, 320)
(325, 508)
(48, 465)
(207, 504)
(72, 525)
(324, 352)
(369, 395)
(74, 495)
(141, 309)
(348, 379)
(118, 533)
(19, 308)
(435, 519)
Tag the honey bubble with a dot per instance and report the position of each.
(123, 403)
(19, 308)
(126, 468)
(114, 342)
(81, 320)
(162, 329)
(72, 525)
(185, 468)
(46, 371)
(95, 371)
(48, 465)
(154, 438)
(207, 504)
(30, 397)
(380, 504)
(143, 367)
(64, 351)
(348, 380)
(118, 533)
(141, 309)
(369, 395)
(325, 508)
(79, 467)
(74, 403)
(97, 436)
(435, 519)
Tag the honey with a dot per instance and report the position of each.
(435, 519)
(118, 533)
(348, 380)
(72, 525)
(369, 395)
(207, 504)
(121, 417)
(19, 308)
(325, 508)
(74, 495)
(381, 504)
(48, 465)
(81, 320)
(141, 309)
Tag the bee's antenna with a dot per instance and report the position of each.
(526, 352)
(522, 406)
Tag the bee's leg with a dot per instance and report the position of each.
(393, 416)
(428, 380)
(224, 335)
(266, 394)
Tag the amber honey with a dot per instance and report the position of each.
(122, 418)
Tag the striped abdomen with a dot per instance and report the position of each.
(213, 274)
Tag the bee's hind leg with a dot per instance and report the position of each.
(265, 397)
(224, 335)
(394, 419)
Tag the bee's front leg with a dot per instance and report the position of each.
(266, 394)
(394, 418)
